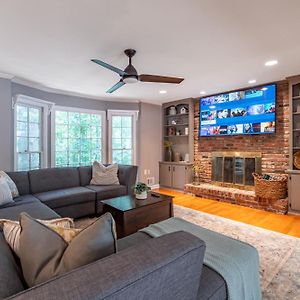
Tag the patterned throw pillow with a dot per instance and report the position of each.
(5, 194)
(12, 230)
(104, 175)
(12, 186)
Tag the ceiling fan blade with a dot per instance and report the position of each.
(160, 79)
(115, 87)
(108, 66)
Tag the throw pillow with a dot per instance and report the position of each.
(104, 175)
(12, 186)
(5, 193)
(44, 254)
(12, 230)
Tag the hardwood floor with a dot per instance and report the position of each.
(288, 224)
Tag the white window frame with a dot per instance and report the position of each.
(46, 107)
(78, 110)
(134, 114)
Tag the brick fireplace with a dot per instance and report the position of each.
(273, 149)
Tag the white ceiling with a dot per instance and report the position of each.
(215, 45)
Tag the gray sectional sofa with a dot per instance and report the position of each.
(164, 268)
(66, 192)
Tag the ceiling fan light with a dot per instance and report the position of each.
(130, 79)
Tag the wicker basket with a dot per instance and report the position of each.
(275, 188)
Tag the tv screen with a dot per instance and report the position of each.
(250, 111)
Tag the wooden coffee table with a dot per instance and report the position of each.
(131, 214)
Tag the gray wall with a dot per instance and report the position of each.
(150, 137)
(149, 123)
(6, 125)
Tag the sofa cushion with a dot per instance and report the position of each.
(11, 279)
(212, 285)
(85, 175)
(108, 191)
(21, 200)
(35, 209)
(21, 180)
(45, 254)
(65, 197)
(45, 180)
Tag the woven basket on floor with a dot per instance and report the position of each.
(274, 188)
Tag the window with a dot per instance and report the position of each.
(122, 136)
(77, 138)
(30, 133)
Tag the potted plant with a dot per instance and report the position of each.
(196, 171)
(141, 189)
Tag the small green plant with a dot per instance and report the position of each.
(168, 144)
(141, 187)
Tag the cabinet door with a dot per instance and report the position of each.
(294, 191)
(179, 177)
(165, 175)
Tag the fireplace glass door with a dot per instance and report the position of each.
(235, 169)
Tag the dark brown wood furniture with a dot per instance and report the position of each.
(131, 214)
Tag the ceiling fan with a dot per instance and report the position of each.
(130, 75)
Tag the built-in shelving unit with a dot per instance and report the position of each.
(294, 172)
(178, 130)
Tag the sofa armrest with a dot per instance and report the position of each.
(164, 268)
(127, 176)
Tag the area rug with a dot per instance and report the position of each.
(279, 253)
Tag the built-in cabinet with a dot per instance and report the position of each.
(174, 175)
(178, 148)
(294, 171)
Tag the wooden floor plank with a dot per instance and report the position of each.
(287, 224)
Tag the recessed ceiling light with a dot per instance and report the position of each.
(271, 63)
(252, 81)
(202, 93)
(163, 92)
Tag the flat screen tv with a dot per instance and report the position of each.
(250, 111)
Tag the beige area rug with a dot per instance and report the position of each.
(279, 253)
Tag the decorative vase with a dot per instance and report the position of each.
(169, 154)
(141, 196)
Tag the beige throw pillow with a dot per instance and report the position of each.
(12, 186)
(5, 193)
(104, 175)
(12, 230)
(44, 254)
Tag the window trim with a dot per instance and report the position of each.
(78, 110)
(132, 113)
(46, 108)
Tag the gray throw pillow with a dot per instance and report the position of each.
(45, 254)
(104, 175)
(5, 193)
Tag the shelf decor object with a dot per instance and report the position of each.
(297, 160)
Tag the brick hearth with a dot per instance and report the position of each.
(237, 196)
